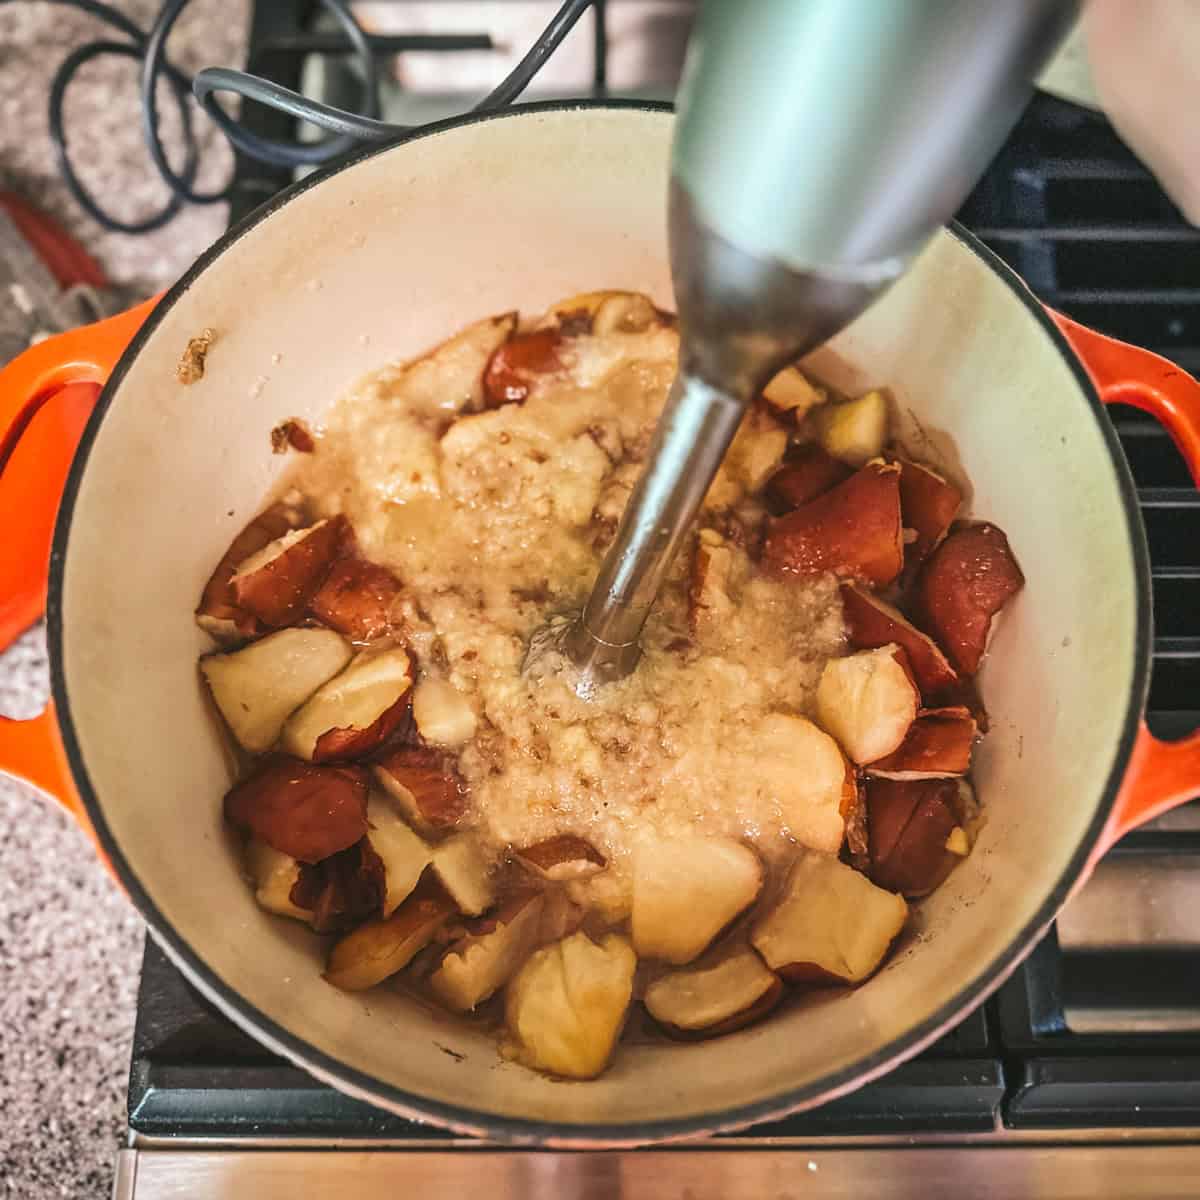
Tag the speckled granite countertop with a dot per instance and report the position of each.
(70, 944)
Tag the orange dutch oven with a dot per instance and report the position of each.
(379, 259)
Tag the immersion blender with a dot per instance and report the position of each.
(818, 146)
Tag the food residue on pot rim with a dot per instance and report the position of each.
(292, 434)
(191, 364)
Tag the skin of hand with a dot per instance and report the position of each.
(1145, 60)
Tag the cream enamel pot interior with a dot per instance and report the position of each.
(380, 259)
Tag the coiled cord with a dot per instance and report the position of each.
(342, 129)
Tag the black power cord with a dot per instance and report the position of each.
(346, 126)
(343, 129)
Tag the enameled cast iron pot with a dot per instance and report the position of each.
(384, 257)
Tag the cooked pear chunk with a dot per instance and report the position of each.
(709, 999)
(259, 686)
(686, 890)
(868, 701)
(832, 926)
(567, 1004)
(356, 711)
(480, 964)
(380, 948)
(404, 853)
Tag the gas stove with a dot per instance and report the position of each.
(1081, 1076)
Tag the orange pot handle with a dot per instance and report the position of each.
(46, 396)
(1160, 775)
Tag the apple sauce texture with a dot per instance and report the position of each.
(743, 819)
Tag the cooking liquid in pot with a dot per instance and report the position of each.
(498, 521)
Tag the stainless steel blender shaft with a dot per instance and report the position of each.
(697, 425)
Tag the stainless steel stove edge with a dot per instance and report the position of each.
(984, 1171)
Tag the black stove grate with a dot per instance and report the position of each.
(1091, 231)
(1061, 1079)
(1072, 210)
(195, 1074)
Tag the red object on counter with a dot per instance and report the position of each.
(64, 257)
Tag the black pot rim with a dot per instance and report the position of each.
(522, 1131)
